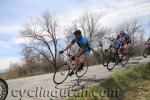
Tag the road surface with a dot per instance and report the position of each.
(41, 87)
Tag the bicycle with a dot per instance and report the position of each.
(114, 59)
(146, 52)
(63, 71)
(107, 52)
(3, 89)
(106, 56)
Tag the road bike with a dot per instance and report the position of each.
(113, 58)
(68, 67)
(106, 53)
(146, 52)
(105, 56)
(3, 89)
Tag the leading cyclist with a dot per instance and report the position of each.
(84, 49)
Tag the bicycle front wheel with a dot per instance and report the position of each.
(112, 62)
(105, 60)
(3, 89)
(61, 73)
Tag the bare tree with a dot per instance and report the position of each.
(101, 35)
(89, 23)
(43, 37)
(30, 57)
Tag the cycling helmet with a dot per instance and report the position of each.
(122, 32)
(77, 32)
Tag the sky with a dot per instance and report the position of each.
(14, 13)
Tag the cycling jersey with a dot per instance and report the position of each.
(123, 39)
(82, 43)
(117, 44)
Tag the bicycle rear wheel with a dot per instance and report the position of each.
(61, 73)
(80, 73)
(3, 89)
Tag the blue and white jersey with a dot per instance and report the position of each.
(82, 43)
(123, 39)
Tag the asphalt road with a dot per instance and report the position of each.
(42, 87)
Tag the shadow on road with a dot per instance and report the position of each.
(77, 84)
(84, 82)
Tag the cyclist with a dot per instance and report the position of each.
(122, 42)
(148, 42)
(84, 48)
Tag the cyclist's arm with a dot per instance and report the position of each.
(68, 47)
(79, 52)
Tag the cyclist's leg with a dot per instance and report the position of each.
(75, 61)
(125, 48)
(85, 58)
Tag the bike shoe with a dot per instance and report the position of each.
(81, 66)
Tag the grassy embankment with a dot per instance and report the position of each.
(133, 84)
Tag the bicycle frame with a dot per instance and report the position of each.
(70, 62)
(66, 68)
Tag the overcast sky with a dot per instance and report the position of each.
(14, 13)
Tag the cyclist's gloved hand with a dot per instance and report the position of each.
(61, 52)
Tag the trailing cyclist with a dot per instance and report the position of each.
(148, 42)
(84, 49)
(147, 49)
(121, 42)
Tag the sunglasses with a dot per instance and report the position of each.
(76, 35)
